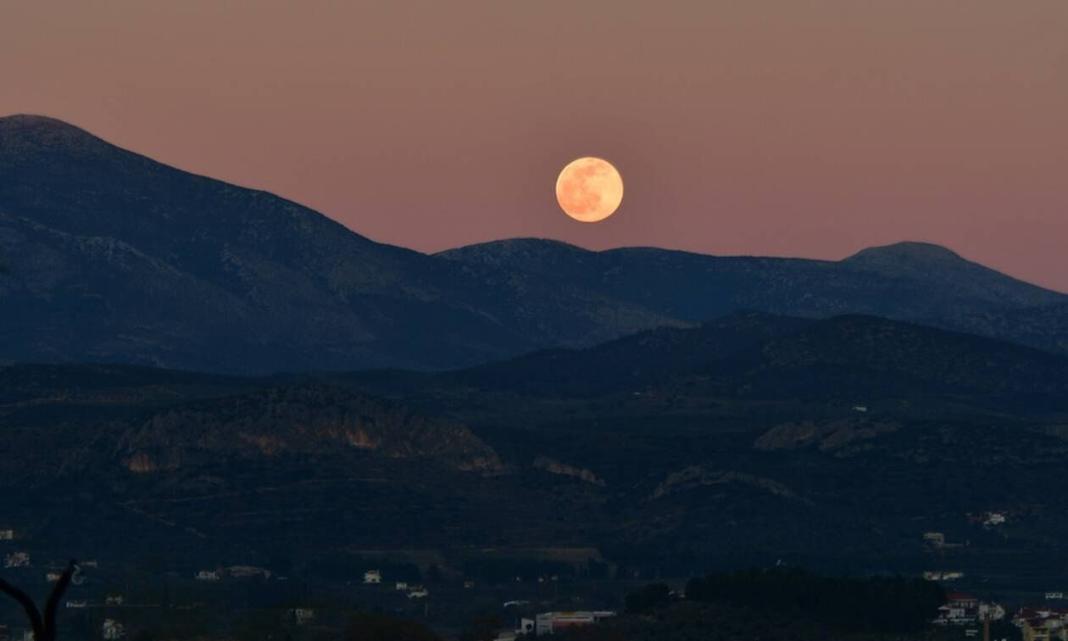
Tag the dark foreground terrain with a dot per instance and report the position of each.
(560, 479)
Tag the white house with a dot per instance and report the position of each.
(418, 592)
(207, 575)
(112, 630)
(17, 560)
(400, 586)
(994, 518)
(372, 577)
(934, 539)
(248, 572)
(960, 609)
(302, 616)
(943, 575)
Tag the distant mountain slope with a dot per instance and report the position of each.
(632, 362)
(110, 256)
(107, 256)
(748, 420)
(879, 358)
(762, 356)
(175, 420)
(907, 281)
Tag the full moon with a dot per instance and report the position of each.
(589, 189)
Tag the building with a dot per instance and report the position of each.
(52, 577)
(418, 592)
(934, 539)
(552, 622)
(400, 586)
(1055, 596)
(17, 560)
(991, 612)
(302, 616)
(207, 575)
(114, 599)
(994, 518)
(248, 572)
(372, 577)
(943, 575)
(1045, 624)
(959, 609)
(7, 535)
(112, 630)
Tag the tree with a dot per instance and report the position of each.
(44, 626)
(648, 598)
(482, 628)
(369, 626)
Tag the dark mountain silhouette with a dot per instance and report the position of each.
(907, 281)
(756, 355)
(108, 256)
(630, 363)
(648, 444)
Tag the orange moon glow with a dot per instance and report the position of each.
(589, 189)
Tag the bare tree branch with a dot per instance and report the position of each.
(28, 605)
(44, 629)
(54, 598)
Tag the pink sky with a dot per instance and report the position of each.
(791, 127)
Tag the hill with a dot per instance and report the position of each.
(107, 256)
(907, 281)
(111, 257)
(735, 443)
(755, 355)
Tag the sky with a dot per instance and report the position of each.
(806, 128)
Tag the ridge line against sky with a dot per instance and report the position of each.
(808, 129)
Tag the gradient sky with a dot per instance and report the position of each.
(790, 127)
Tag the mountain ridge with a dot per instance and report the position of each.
(109, 256)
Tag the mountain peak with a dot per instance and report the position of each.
(904, 253)
(29, 135)
(35, 129)
(528, 252)
(515, 245)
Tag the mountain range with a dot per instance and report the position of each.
(834, 442)
(107, 256)
(223, 374)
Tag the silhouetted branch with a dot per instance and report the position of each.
(44, 629)
(28, 605)
(54, 598)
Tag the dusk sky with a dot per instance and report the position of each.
(792, 127)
